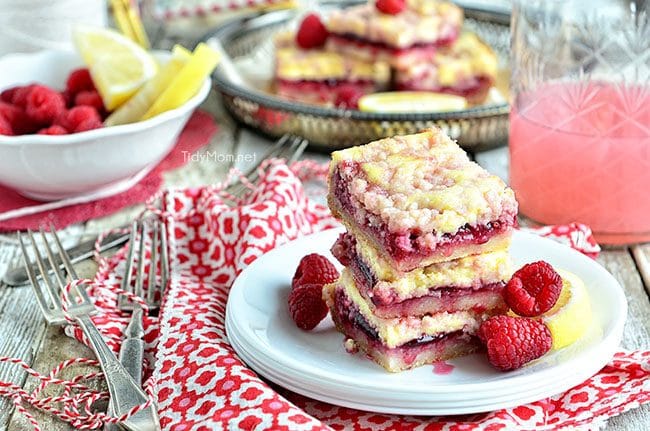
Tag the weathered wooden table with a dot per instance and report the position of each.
(23, 333)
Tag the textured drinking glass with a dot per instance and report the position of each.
(580, 116)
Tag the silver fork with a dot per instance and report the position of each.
(131, 354)
(124, 392)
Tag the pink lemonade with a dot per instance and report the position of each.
(581, 152)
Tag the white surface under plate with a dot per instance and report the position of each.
(315, 363)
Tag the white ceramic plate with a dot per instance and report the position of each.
(315, 363)
(400, 405)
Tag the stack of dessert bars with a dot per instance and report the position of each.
(422, 48)
(426, 249)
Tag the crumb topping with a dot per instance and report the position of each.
(423, 183)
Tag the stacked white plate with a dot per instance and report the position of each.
(316, 365)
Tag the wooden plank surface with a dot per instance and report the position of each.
(21, 323)
(52, 345)
(641, 254)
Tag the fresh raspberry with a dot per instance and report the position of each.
(69, 98)
(306, 305)
(5, 126)
(314, 269)
(17, 118)
(88, 124)
(79, 80)
(20, 95)
(514, 341)
(89, 98)
(55, 129)
(44, 105)
(348, 97)
(390, 7)
(533, 289)
(312, 32)
(7, 95)
(79, 117)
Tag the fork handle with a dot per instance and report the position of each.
(124, 392)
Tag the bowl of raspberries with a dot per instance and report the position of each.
(53, 142)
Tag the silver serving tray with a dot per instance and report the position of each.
(476, 128)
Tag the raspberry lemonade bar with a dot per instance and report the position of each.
(396, 36)
(318, 76)
(418, 200)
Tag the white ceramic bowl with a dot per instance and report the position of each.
(97, 162)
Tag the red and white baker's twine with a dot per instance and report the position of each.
(75, 404)
(71, 407)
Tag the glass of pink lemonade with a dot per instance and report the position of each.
(580, 116)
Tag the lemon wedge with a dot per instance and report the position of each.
(187, 82)
(411, 101)
(139, 104)
(571, 315)
(117, 65)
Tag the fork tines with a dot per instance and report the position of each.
(49, 292)
(158, 262)
(288, 147)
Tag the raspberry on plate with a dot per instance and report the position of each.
(80, 118)
(514, 341)
(44, 105)
(314, 269)
(312, 32)
(390, 7)
(79, 80)
(306, 305)
(533, 289)
(54, 129)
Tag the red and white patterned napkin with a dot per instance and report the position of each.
(202, 385)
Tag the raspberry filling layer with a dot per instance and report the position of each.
(472, 89)
(347, 312)
(359, 42)
(404, 246)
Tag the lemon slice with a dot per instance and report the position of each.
(117, 65)
(571, 315)
(187, 82)
(139, 104)
(411, 101)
